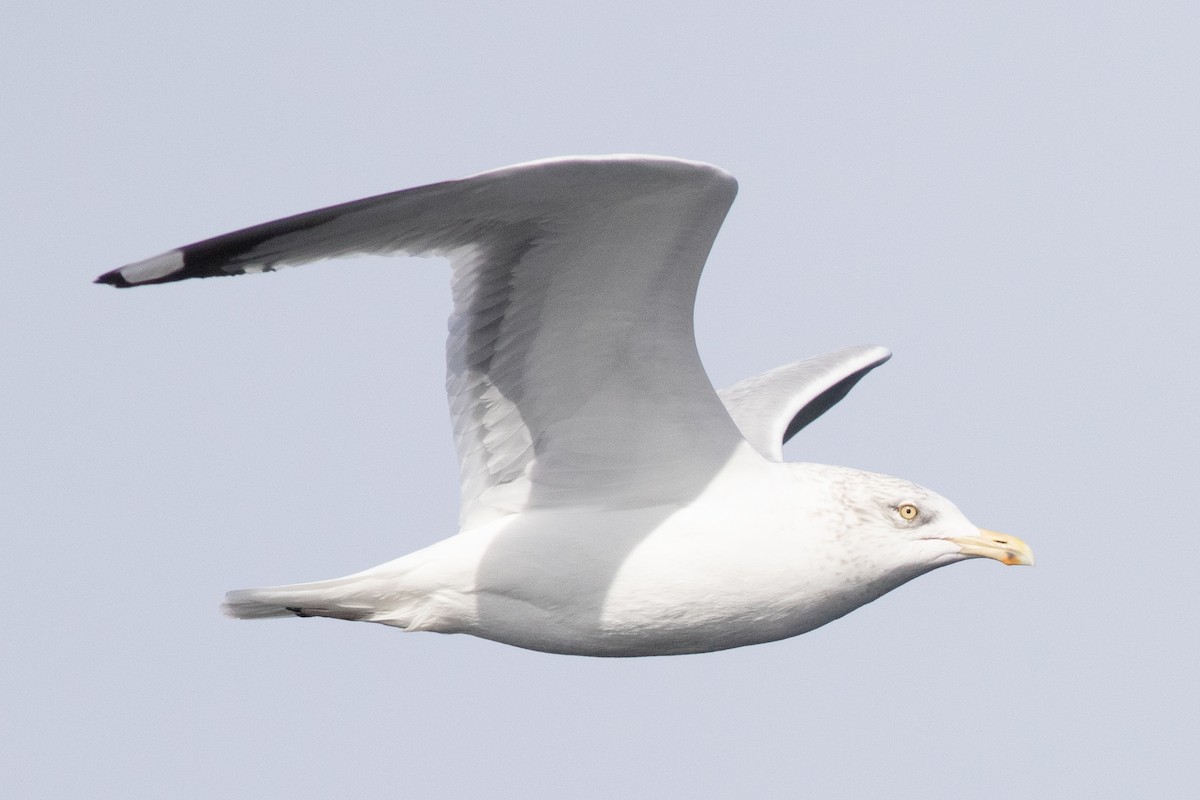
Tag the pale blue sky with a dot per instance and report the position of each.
(1007, 197)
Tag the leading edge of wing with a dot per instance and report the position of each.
(249, 250)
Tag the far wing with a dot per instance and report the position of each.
(771, 408)
(572, 373)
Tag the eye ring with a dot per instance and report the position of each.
(908, 512)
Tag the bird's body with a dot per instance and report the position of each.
(714, 573)
(614, 504)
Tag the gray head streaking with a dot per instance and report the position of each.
(613, 502)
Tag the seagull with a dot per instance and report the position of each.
(613, 502)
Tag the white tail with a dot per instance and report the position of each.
(340, 598)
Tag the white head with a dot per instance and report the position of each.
(893, 530)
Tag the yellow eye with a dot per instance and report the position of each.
(908, 511)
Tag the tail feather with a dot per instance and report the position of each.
(335, 598)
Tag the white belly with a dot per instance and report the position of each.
(633, 582)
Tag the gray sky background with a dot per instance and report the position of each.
(1006, 195)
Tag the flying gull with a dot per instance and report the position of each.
(613, 502)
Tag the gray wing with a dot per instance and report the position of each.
(771, 408)
(572, 370)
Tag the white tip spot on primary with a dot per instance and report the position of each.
(153, 268)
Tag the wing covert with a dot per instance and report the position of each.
(772, 407)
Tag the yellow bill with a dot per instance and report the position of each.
(1000, 546)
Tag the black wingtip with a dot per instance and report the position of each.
(114, 278)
